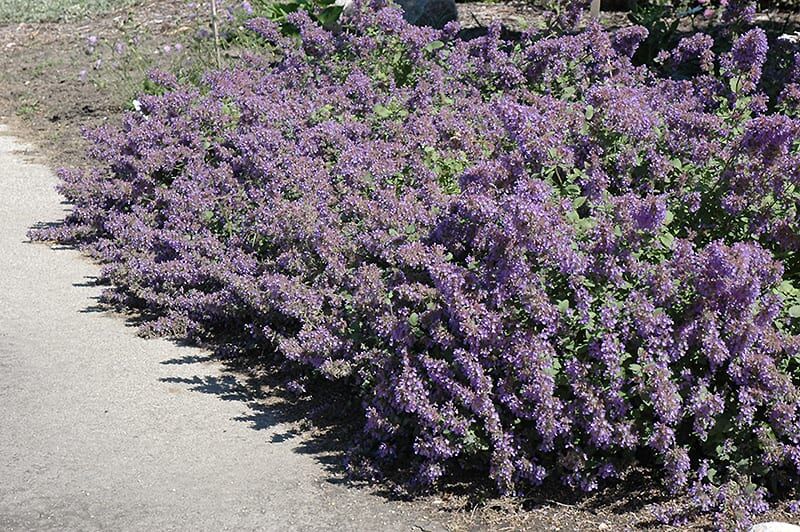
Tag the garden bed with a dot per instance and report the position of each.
(274, 285)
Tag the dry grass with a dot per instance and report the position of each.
(12, 11)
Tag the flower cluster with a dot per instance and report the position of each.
(533, 258)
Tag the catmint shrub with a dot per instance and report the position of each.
(534, 259)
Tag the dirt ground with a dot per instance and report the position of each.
(46, 98)
(41, 67)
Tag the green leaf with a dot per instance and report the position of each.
(786, 287)
(794, 311)
(563, 305)
(589, 112)
(413, 319)
(433, 45)
(667, 239)
(554, 368)
(330, 15)
(584, 224)
(668, 218)
(382, 111)
(721, 453)
(578, 202)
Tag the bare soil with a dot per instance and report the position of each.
(41, 64)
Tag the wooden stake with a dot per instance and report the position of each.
(594, 10)
(215, 27)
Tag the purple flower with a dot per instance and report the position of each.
(747, 58)
(627, 40)
(696, 47)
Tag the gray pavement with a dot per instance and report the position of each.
(98, 431)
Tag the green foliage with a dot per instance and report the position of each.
(326, 12)
(447, 167)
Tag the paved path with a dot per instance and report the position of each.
(99, 431)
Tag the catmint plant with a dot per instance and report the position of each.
(536, 259)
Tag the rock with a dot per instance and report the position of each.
(347, 6)
(434, 13)
(775, 526)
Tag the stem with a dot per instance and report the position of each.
(215, 27)
(735, 154)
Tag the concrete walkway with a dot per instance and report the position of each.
(102, 430)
